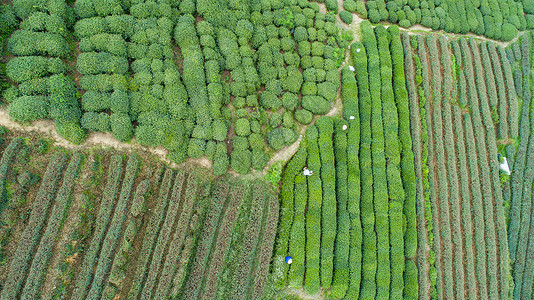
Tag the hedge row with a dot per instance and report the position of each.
(340, 282)
(502, 131)
(207, 238)
(293, 168)
(32, 232)
(85, 274)
(224, 236)
(124, 252)
(115, 228)
(368, 253)
(262, 267)
(325, 127)
(451, 169)
(58, 214)
(151, 233)
(256, 219)
(164, 235)
(313, 216)
(180, 234)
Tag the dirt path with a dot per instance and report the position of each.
(95, 139)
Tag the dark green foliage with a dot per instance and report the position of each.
(241, 161)
(29, 108)
(95, 63)
(318, 105)
(281, 137)
(25, 68)
(24, 43)
(99, 122)
(345, 16)
(509, 32)
(220, 161)
(303, 116)
(121, 127)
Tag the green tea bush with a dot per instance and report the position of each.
(24, 43)
(29, 108)
(25, 68)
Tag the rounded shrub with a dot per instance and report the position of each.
(345, 16)
(242, 127)
(509, 32)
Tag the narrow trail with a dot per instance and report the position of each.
(95, 139)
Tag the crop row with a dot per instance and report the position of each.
(451, 169)
(380, 191)
(250, 243)
(353, 165)
(519, 167)
(164, 236)
(494, 181)
(297, 243)
(313, 215)
(367, 216)
(431, 211)
(5, 165)
(185, 256)
(133, 225)
(205, 244)
(440, 165)
(521, 204)
(340, 282)
(325, 127)
(180, 234)
(474, 207)
(502, 131)
(262, 267)
(224, 235)
(392, 150)
(513, 110)
(286, 214)
(466, 209)
(85, 275)
(32, 232)
(55, 222)
(482, 159)
(417, 130)
(115, 229)
(151, 234)
(407, 157)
